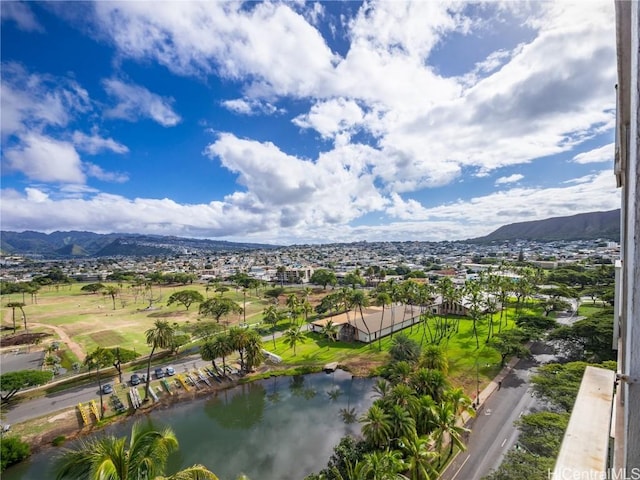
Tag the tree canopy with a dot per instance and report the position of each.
(12, 382)
(185, 298)
(324, 277)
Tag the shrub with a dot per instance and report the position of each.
(12, 451)
(59, 440)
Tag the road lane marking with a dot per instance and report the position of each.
(458, 471)
(503, 442)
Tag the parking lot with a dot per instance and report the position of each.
(12, 361)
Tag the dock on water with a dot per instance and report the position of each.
(330, 367)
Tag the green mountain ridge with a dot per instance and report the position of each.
(88, 244)
(583, 226)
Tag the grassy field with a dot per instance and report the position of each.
(90, 320)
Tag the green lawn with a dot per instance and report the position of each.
(467, 364)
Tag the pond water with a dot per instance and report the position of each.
(276, 429)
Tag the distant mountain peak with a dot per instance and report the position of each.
(582, 226)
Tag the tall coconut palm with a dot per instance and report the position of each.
(218, 347)
(359, 300)
(222, 348)
(447, 292)
(160, 336)
(144, 456)
(473, 291)
(270, 316)
(376, 426)
(253, 350)
(99, 358)
(293, 304)
(383, 299)
(239, 338)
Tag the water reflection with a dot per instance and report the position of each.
(276, 429)
(240, 408)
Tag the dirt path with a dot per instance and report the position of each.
(73, 346)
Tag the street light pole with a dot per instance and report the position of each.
(477, 383)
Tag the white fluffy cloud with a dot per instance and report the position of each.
(134, 102)
(37, 111)
(233, 218)
(44, 159)
(597, 155)
(95, 143)
(516, 177)
(303, 192)
(423, 128)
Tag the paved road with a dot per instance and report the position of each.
(70, 398)
(493, 432)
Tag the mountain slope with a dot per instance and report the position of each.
(583, 226)
(74, 244)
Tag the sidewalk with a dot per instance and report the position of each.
(489, 389)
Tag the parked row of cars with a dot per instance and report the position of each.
(138, 378)
(159, 372)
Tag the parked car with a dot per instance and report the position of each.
(107, 389)
(159, 372)
(170, 371)
(135, 379)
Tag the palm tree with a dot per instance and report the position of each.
(113, 293)
(359, 300)
(330, 330)
(270, 316)
(419, 457)
(239, 338)
(425, 416)
(403, 395)
(382, 465)
(222, 348)
(447, 428)
(429, 382)
(382, 299)
(434, 358)
(402, 423)
(100, 357)
(382, 388)
(473, 290)
(399, 372)
(113, 458)
(293, 336)
(161, 335)
(459, 401)
(293, 305)
(376, 426)
(253, 350)
(212, 349)
(13, 306)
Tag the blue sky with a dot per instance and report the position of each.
(293, 122)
